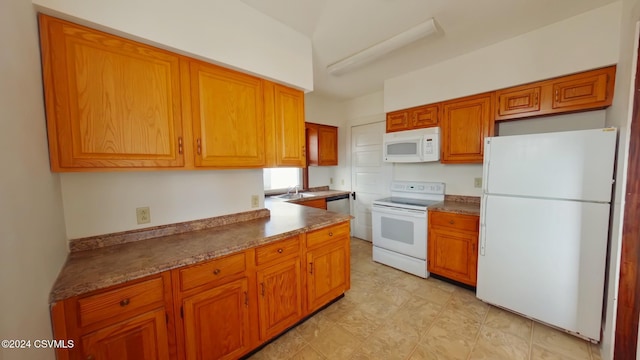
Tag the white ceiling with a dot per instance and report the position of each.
(339, 28)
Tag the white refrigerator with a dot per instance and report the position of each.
(544, 226)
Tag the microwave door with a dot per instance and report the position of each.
(403, 151)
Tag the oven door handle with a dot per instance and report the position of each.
(398, 211)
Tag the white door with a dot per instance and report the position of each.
(545, 259)
(370, 176)
(575, 165)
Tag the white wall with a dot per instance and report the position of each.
(583, 42)
(567, 122)
(32, 240)
(227, 32)
(100, 203)
(619, 115)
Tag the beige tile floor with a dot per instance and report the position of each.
(389, 314)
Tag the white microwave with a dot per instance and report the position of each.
(420, 145)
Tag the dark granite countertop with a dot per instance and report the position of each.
(102, 267)
(468, 205)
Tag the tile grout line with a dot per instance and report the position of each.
(475, 341)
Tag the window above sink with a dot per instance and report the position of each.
(279, 180)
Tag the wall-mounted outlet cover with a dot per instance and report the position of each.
(143, 215)
(255, 201)
(477, 182)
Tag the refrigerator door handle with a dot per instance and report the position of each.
(483, 227)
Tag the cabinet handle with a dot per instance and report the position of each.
(535, 99)
(124, 302)
(557, 95)
(199, 143)
(330, 233)
(262, 285)
(310, 268)
(180, 145)
(473, 248)
(216, 271)
(451, 221)
(246, 299)
(280, 251)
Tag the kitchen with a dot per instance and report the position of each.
(85, 195)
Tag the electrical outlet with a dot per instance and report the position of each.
(143, 215)
(330, 181)
(342, 182)
(255, 201)
(477, 182)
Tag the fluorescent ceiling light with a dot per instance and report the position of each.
(378, 50)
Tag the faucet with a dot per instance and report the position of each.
(294, 187)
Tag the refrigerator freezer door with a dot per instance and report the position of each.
(545, 259)
(565, 165)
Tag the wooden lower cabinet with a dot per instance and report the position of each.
(216, 322)
(143, 337)
(328, 265)
(279, 298)
(453, 246)
(217, 309)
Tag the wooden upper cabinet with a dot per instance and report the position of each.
(588, 90)
(110, 102)
(413, 118)
(285, 126)
(465, 123)
(322, 145)
(519, 101)
(398, 121)
(228, 117)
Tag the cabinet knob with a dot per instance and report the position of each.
(279, 251)
(124, 302)
(91, 357)
(451, 221)
(216, 271)
(330, 233)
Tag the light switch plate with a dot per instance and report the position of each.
(477, 182)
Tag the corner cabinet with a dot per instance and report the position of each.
(228, 117)
(110, 102)
(453, 246)
(285, 126)
(465, 122)
(322, 144)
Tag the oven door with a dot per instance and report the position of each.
(400, 230)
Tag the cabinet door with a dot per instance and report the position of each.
(519, 101)
(287, 128)
(453, 255)
(279, 297)
(327, 145)
(327, 273)
(581, 90)
(141, 338)
(465, 123)
(316, 203)
(111, 102)
(398, 121)
(424, 116)
(228, 117)
(216, 322)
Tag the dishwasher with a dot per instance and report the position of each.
(339, 204)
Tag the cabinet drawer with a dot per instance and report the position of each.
(454, 221)
(212, 271)
(324, 235)
(124, 300)
(278, 250)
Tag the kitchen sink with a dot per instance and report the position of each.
(294, 196)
